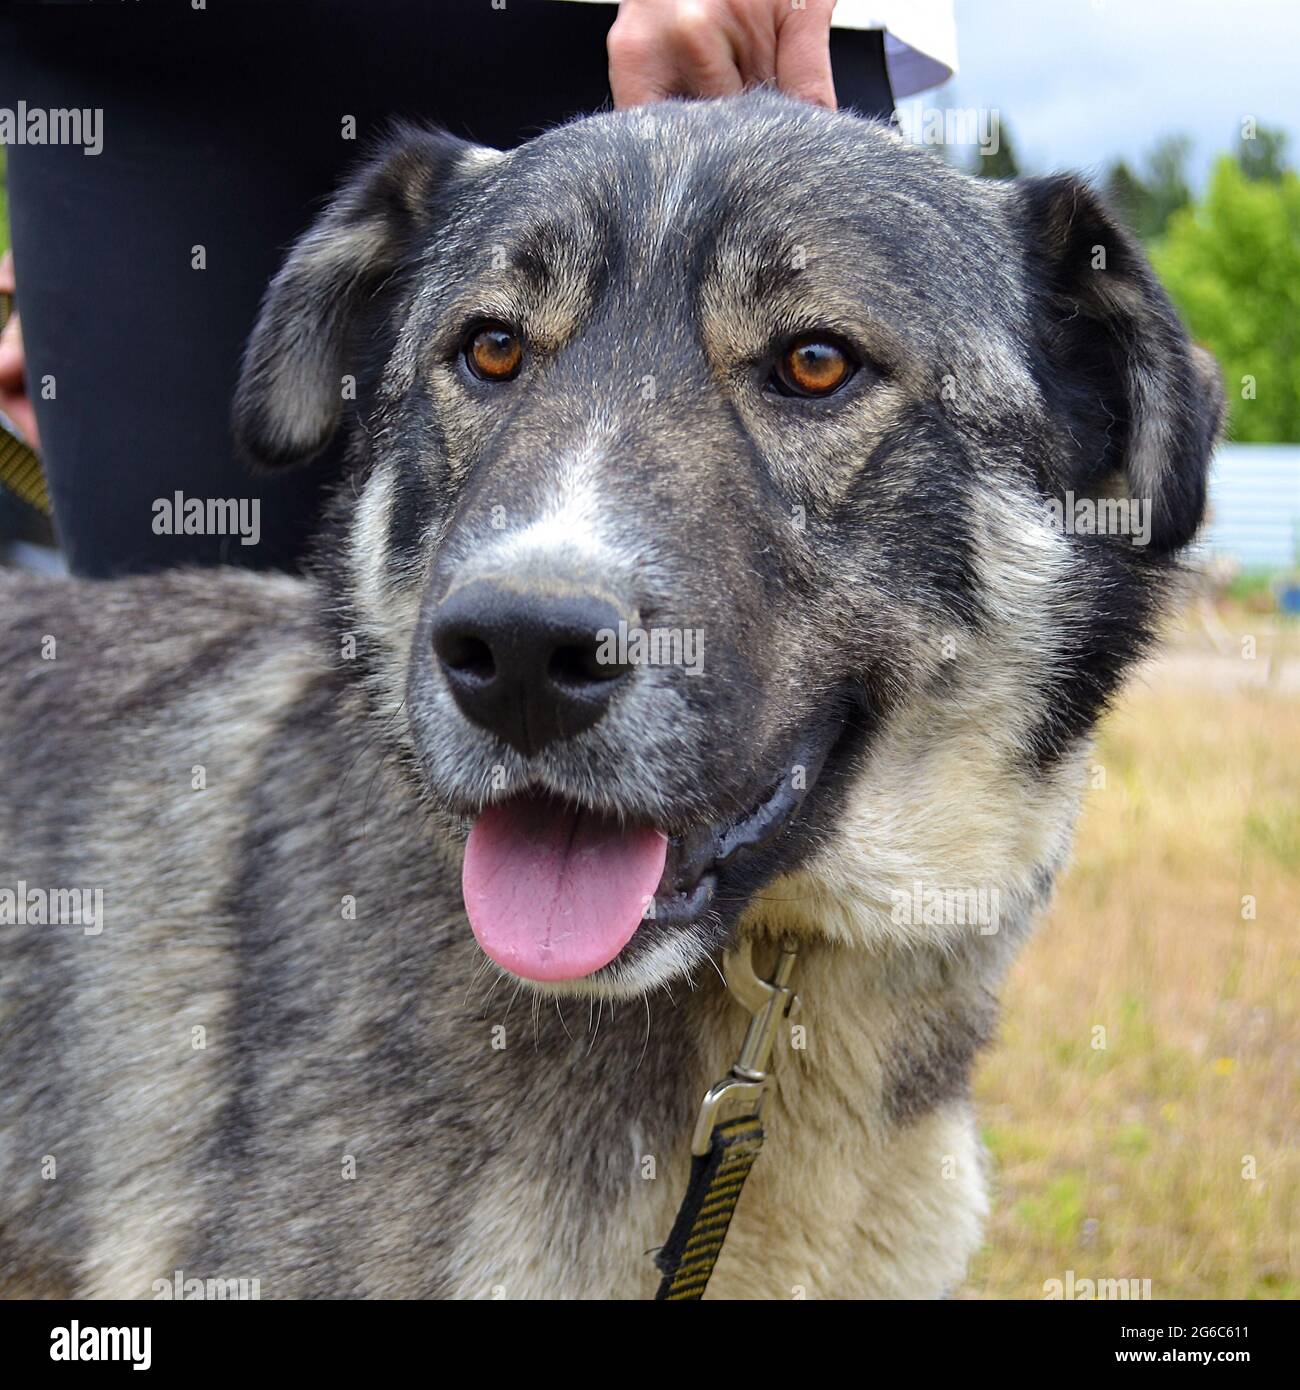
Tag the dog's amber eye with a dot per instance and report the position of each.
(813, 365)
(494, 352)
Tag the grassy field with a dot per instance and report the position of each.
(1133, 1159)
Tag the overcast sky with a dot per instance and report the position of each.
(1082, 81)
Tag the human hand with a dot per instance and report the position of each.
(709, 48)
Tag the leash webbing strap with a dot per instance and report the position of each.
(20, 471)
(717, 1177)
(728, 1129)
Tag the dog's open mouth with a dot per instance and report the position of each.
(555, 891)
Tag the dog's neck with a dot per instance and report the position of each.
(892, 1031)
(871, 1151)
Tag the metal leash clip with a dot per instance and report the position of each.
(769, 1002)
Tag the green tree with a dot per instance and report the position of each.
(1001, 163)
(1125, 192)
(1232, 266)
(1166, 182)
(1148, 200)
(1263, 156)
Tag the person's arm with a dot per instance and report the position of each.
(708, 48)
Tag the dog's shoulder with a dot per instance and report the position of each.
(78, 655)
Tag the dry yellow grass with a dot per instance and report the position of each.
(1132, 1160)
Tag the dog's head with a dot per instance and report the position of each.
(753, 513)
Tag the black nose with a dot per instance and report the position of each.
(530, 667)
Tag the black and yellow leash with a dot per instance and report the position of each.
(728, 1132)
(20, 470)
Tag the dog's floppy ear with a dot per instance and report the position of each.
(1143, 405)
(289, 399)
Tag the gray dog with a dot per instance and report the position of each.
(751, 517)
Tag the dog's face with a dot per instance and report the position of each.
(705, 556)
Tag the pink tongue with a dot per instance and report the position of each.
(553, 893)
